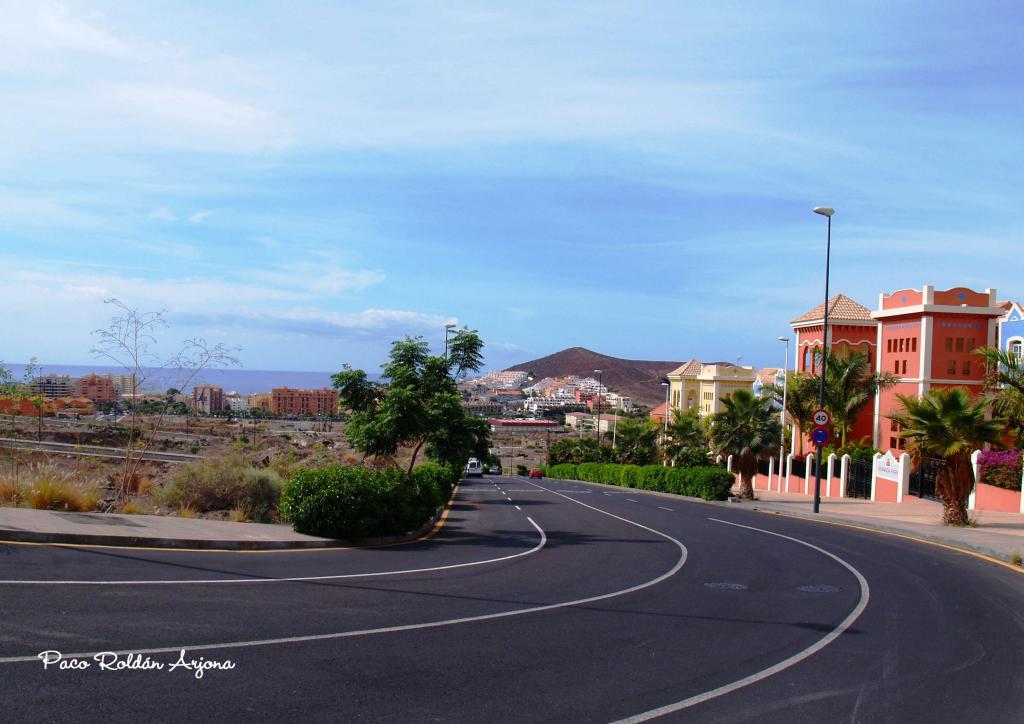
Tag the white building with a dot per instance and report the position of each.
(237, 402)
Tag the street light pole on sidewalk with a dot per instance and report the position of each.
(826, 212)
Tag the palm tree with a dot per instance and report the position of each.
(637, 441)
(1005, 388)
(850, 385)
(801, 401)
(687, 431)
(748, 430)
(948, 423)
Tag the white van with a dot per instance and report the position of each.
(474, 468)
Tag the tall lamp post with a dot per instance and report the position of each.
(782, 415)
(447, 330)
(597, 427)
(826, 212)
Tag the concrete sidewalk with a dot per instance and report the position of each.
(157, 531)
(999, 535)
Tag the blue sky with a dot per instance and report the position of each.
(308, 181)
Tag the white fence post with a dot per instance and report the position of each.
(789, 471)
(808, 462)
(874, 473)
(830, 469)
(976, 468)
(903, 478)
(844, 474)
(771, 472)
(728, 463)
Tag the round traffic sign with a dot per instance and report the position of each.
(820, 417)
(820, 436)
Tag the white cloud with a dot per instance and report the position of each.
(200, 216)
(162, 213)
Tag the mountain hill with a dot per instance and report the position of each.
(638, 379)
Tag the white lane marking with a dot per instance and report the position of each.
(541, 544)
(518, 508)
(408, 627)
(865, 595)
(631, 500)
(662, 507)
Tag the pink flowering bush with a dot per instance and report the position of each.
(1001, 468)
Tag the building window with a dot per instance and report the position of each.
(1015, 349)
(949, 344)
(970, 344)
(892, 442)
(967, 367)
(807, 358)
(896, 367)
(913, 343)
(951, 367)
(959, 344)
(904, 367)
(888, 346)
(901, 344)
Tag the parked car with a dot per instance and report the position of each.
(535, 473)
(494, 470)
(474, 469)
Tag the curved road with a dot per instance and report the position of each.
(546, 601)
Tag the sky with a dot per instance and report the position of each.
(309, 181)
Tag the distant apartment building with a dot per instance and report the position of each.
(508, 378)
(482, 408)
(53, 386)
(304, 403)
(260, 400)
(97, 388)
(126, 385)
(207, 399)
(237, 402)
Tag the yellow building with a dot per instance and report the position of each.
(704, 384)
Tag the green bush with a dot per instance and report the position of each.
(226, 483)
(353, 503)
(521, 470)
(708, 482)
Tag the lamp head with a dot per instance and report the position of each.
(824, 210)
(450, 326)
(597, 372)
(665, 382)
(784, 339)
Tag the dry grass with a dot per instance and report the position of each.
(186, 512)
(46, 487)
(238, 515)
(134, 507)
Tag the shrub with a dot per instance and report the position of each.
(353, 503)
(1001, 468)
(62, 495)
(227, 483)
(708, 482)
(521, 470)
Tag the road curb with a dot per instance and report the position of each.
(424, 532)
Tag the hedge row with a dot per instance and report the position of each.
(710, 483)
(352, 503)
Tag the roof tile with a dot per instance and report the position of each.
(840, 308)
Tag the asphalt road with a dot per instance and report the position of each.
(540, 601)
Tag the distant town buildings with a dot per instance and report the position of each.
(207, 399)
(97, 388)
(52, 386)
(303, 403)
(703, 385)
(236, 402)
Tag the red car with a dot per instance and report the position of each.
(535, 473)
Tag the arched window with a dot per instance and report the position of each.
(1015, 348)
(807, 359)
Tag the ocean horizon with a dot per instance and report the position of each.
(233, 379)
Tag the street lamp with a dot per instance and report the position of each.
(447, 330)
(668, 386)
(826, 212)
(597, 431)
(782, 415)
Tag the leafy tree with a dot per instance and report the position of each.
(637, 441)
(1004, 388)
(687, 437)
(416, 404)
(850, 384)
(801, 400)
(948, 424)
(748, 429)
(577, 450)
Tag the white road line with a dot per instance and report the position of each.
(865, 595)
(631, 500)
(518, 508)
(662, 507)
(541, 544)
(408, 627)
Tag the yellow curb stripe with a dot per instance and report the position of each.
(426, 536)
(866, 529)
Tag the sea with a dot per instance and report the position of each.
(243, 381)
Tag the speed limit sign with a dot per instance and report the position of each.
(820, 417)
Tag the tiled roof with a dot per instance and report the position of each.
(688, 368)
(840, 308)
(767, 375)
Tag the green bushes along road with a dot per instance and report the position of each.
(709, 483)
